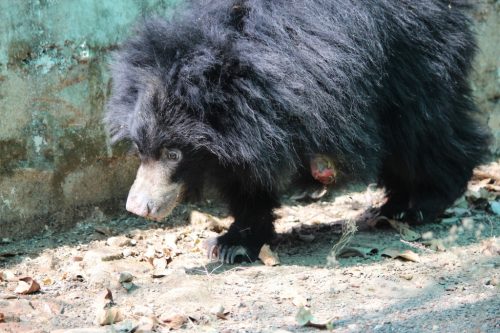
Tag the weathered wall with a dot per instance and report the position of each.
(55, 163)
(486, 78)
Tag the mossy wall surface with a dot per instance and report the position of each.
(56, 165)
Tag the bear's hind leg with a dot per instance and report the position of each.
(397, 190)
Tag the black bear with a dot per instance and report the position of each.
(245, 93)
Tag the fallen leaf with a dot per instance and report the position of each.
(356, 251)
(7, 276)
(146, 324)
(27, 286)
(450, 220)
(458, 211)
(495, 207)
(175, 322)
(8, 296)
(109, 316)
(304, 318)
(492, 187)
(490, 246)
(404, 229)
(159, 267)
(306, 237)
(103, 231)
(486, 174)
(209, 222)
(2, 317)
(219, 312)
(118, 241)
(299, 301)
(268, 257)
(401, 254)
(170, 245)
(435, 245)
(47, 281)
(107, 312)
(150, 254)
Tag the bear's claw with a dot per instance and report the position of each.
(227, 254)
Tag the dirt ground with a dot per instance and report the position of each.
(154, 277)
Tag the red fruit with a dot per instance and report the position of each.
(323, 169)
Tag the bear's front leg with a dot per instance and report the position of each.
(252, 227)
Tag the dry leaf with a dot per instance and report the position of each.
(118, 241)
(175, 322)
(406, 276)
(356, 251)
(107, 311)
(47, 281)
(404, 229)
(495, 207)
(306, 237)
(2, 317)
(108, 316)
(219, 312)
(401, 254)
(159, 267)
(435, 245)
(27, 286)
(299, 301)
(103, 230)
(7, 276)
(146, 324)
(268, 257)
(490, 246)
(170, 243)
(304, 318)
(209, 222)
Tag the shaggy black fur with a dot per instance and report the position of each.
(248, 90)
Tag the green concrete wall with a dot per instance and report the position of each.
(56, 165)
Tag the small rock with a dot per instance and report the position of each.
(125, 277)
(217, 309)
(118, 241)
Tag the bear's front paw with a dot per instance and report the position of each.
(229, 254)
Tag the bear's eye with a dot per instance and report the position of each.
(173, 155)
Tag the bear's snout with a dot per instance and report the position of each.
(152, 195)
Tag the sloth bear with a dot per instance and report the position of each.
(245, 93)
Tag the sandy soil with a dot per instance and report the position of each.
(160, 280)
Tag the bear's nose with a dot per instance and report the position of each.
(139, 204)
